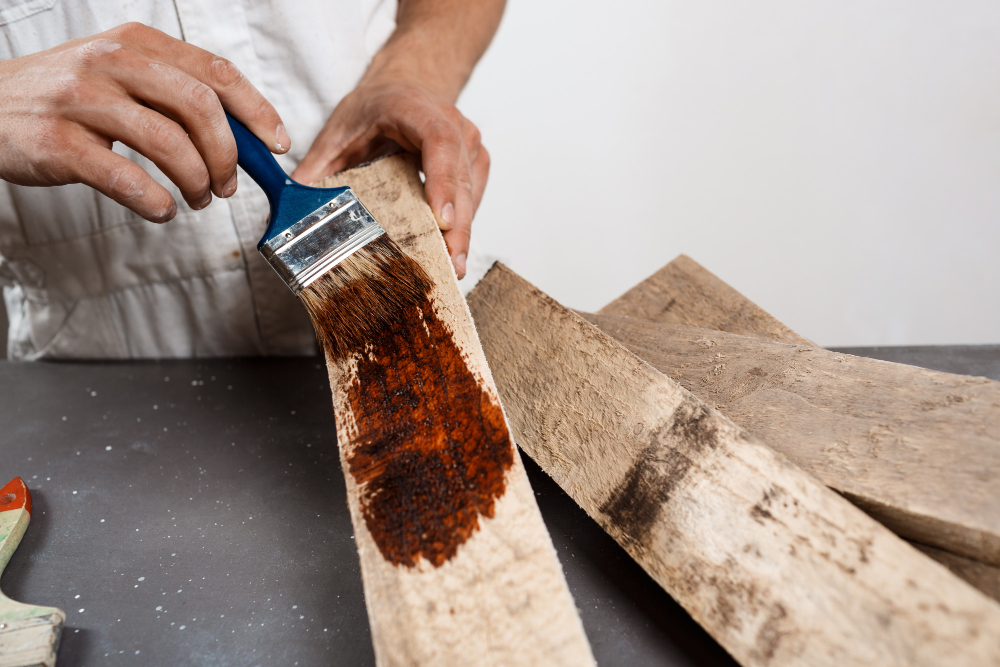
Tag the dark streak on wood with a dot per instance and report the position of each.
(433, 447)
(634, 506)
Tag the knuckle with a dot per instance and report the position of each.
(443, 131)
(123, 183)
(166, 139)
(225, 73)
(454, 115)
(473, 137)
(200, 97)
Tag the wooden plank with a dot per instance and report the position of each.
(778, 568)
(981, 575)
(458, 567)
(680, 283)
(684, 292)
(917, 449)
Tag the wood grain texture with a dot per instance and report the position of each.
(917, 449)
(684, 292)
(778, 568)
(685, 277)
(499, 597)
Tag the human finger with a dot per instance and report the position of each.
(120, 179)
(157, 137)
(236, 93)
(480, 174)
(192, 104)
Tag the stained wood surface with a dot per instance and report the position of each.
(684, 292)
(777, 567)
(458, 568)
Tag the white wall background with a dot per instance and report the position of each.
(837, 162)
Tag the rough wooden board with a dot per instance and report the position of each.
(778, 568)
(981, 575)
(502, 598)
(684, 292)
(682, 287)
(917, 449)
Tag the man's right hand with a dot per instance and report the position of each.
(62, 109)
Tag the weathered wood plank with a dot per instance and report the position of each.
(917, 449)
(778, 568)
(684, 292)
(458, 567)
(682, 278)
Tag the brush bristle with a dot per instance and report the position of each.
(362, 295)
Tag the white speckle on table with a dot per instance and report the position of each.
(293, 412)
(108, 448)
(74, 493)
(81, 610)
(159, 607)
(138, 419)
(141, 579)
(77, 597)
(179, 590)
(166, 379)
(301, 617)
(137, 652)
(64, 419)
(182, 627)
(295, 606)
(48, 479)
(230, 387)
(137, 530)
(173, 554)
(78, 453)
(156, 407)
(93, 393)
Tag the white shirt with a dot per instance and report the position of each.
(86, 278)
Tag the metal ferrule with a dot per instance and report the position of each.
(321, 240)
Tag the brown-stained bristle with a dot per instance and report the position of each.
(432, 448)
(367, 292)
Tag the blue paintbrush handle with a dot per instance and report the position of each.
(256, 160)
(290, 201)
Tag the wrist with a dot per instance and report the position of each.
(411, 58)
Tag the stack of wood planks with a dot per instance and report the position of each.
(739, 464)
(721, 450)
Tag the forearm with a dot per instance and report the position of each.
(437, 43)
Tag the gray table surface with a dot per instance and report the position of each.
(194, 513)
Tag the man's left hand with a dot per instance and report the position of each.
(376, 117)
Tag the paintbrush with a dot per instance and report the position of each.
(29, 635)
(352, 278)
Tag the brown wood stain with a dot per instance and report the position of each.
(432, 448)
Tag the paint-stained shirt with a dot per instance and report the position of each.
(84, 277)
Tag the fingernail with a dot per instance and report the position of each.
(166, 217)
(230, 187)
(203, 203)
(448, 216)
(281, 139)
(459, 262)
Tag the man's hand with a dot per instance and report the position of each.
(369, 121)
(407, 97)
(62, 109)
